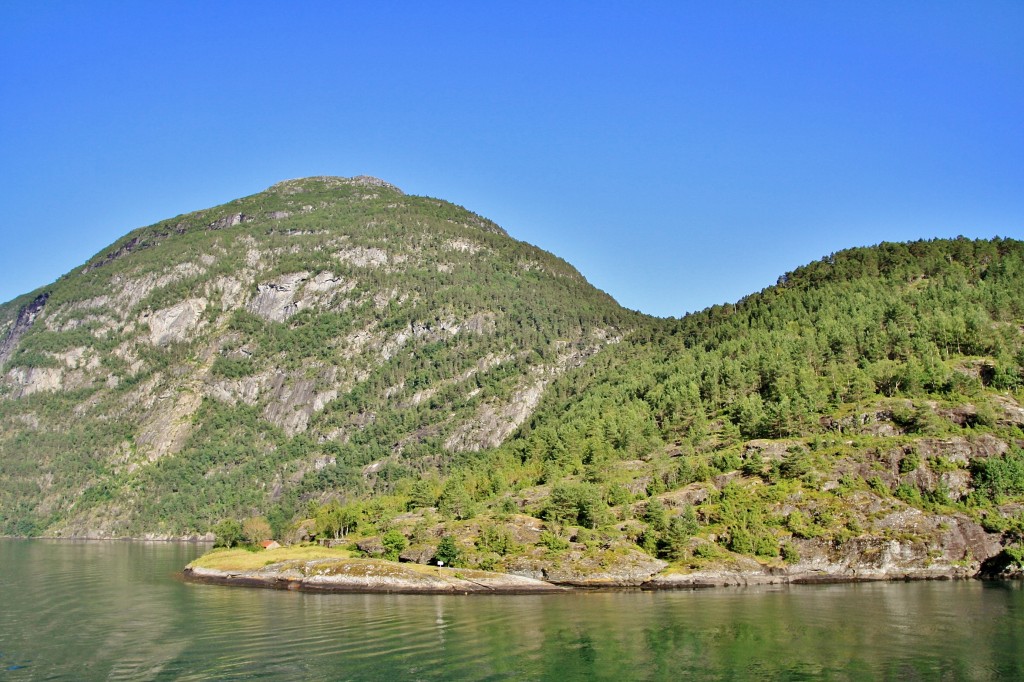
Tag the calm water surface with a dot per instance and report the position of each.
(95, 610)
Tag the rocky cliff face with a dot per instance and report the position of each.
(22, 323)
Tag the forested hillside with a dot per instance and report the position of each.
(861, 415)
(871, 395)
(332, 360)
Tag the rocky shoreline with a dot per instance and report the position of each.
(379, 576)
(372, 576)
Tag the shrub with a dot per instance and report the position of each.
(577, 504)
(648, 542)
(553, 542)
(231, 368)
(229, 533)
(497, 540)
(687, 520)
(587, 537)
(618, 495)
(488, 562)
(456, 502)
(706, 550)
(422, 495)
(765, 544)
(740, 540)
(910, 463)
(801, 526)
(753, 466)
(679, 532)
(507, 506)
(878, 485)
(908, 493)
(1000, 477)
(447, 551)
(795, 465)
(1016, 555)
(256, 530)
(394, 542)
(726, 462)
(655, 515)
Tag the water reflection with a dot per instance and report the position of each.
(112, 611)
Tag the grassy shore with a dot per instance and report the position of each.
(238, 559)
(320, 569)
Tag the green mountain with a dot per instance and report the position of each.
(339, 359)
(326, 333)
(860, 418)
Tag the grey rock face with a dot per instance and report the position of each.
(275, 301)
(175, 323)
(26, 317)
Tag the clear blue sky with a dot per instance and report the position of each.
(680, 154)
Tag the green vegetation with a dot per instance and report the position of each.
(1000, 479)
(447, 551)
(365, 364)
(245, 560)
(229, 534)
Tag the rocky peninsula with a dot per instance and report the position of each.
(314, 570)
(319, 569)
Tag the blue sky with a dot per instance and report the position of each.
(680, 154)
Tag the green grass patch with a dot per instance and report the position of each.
(237, 559)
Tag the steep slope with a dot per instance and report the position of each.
(860, 419)
(326, 333)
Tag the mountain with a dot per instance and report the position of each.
(334, 359)
(317, 334)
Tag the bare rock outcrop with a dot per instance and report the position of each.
(293, 400)
(232, 292)
(612, 566)
(906, 544)
(229, 221)
(625, 568)
(275, 301)
(494, 422)
(232, 391)
(26, 318)
(176, 323)
(960, 449)
(1012, 413)
(29, 380)
(168, 425)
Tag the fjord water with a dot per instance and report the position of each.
(119, 610)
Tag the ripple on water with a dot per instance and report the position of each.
(110, 611)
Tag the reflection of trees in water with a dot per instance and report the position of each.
(113, 610)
